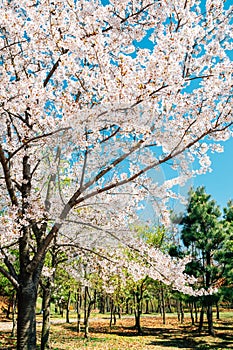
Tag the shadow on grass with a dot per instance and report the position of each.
(183, 337)
(192, 340)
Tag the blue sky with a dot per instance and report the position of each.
(219, 183)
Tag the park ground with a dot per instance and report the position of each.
(122, 336)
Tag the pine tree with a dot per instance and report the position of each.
(204, 236)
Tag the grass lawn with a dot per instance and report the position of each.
(123, 337)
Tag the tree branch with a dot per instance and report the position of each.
(33, 139)
(5, 273)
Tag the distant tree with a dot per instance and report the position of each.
(204, 236)
(226, 255)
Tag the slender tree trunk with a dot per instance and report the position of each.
(201, 319)
(102, 304)
(86, 320)
(181, 312)
(14, 321)
(108, 306)
(127, 306)
(209, 302)
(68, 308)
(196, 312)
(111, 314)
(114, 315)
(26, 323)
(147, 306)
(79, 305)
(209, 312)
(9, 307)
(152, 306)
(119, 311)
(169, 305)
(45, 335)
(217, 311)
(191, 312)
(88, 303)
(163, 305)
(178, 309)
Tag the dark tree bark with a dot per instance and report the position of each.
(68, 308)
(178, 309)
(26, 323)
(14, 321)
(209, 312)
(88, 304)
(201, 319)
(181, 312)
(196, 311)
(147, 306)
(138, 295)
(163, 304)
(45, 338)
(191, 312)
(209, 300)
(111, 314)
(217, 311)
(78, 306)
(138, 312)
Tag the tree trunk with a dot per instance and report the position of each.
(127, 306)
(138, 310)
(111, 313)
(68, 308)
(147, 306)
(86, 319)
(191, 312)
(119, 311)
(152, 306)
(45, 338)
(14, 321)
(102, 304)
(88, 303)
(181, 312)
(217, 311)
(26, 323)
(163, 305)
(196, 312)
(79, 305)
(209, 313)
(138, 322)
(169, 305)
(114, 315)
(209, 302)
(178, 309)
(201, 319)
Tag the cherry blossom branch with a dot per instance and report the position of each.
(12, 44)
(171, 155)
(94, 252)
(123, 20)
(55, 66)
(36, 138)
(7, 177)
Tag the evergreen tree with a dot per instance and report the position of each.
(204, 236)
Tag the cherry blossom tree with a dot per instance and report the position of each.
(95, 94)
